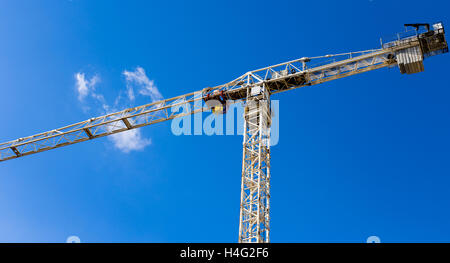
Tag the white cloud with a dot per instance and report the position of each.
(128, 141)
(131, 140)
(146, 86)
(85, 86)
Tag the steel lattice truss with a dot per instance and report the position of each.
(277, 78)
(105, 125)
(255, 188)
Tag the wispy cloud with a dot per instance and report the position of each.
(131, 140)
(128, 141)
(146, 87)
(85, 86)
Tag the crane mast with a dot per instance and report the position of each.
(254, 89)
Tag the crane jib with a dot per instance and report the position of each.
(408, 53)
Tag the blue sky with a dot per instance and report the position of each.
(361, 156)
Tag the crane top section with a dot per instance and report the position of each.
(408, 52)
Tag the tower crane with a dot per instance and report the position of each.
(254, 89)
